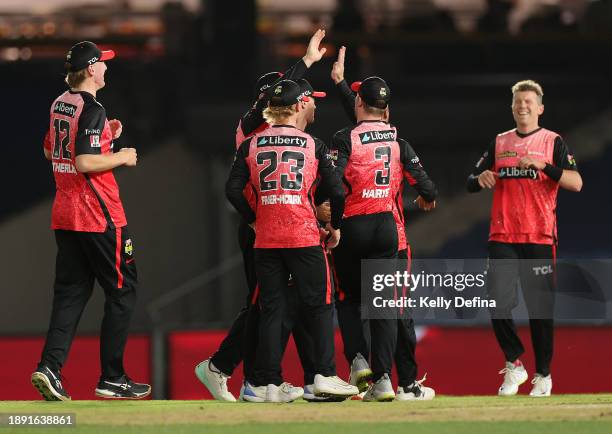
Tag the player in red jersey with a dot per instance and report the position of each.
(90, 229)
(525, 168)
(282, 163)
(372, 161)
(241, 341)
(405, 360)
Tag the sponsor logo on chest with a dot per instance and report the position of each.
(377, 136)
(517, 173)
(296, 141)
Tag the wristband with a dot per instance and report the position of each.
(553, 172)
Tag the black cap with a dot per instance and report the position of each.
(84, 54)
(285, 93)
(265, 81)
(373, 91)
(307, 90)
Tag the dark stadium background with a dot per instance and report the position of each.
(184, 75)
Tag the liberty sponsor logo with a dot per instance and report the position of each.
(62, 108)
(377, 136)
(507, 154)
(299, 142)
(517, 172)
(375, 193)
(64, 168)
(281, 199)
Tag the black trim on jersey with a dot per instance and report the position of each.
(238, 178)
(523, 135)
(562, 158)
(107, 216)
(253, 119)
(412, 164)
(347, 97)
(91, 125)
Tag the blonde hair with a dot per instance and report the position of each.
(277, 115)
(74, 79)
(528, 85)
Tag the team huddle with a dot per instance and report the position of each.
(310, 213)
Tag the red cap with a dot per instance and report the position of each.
(355, 86)
(107, 55)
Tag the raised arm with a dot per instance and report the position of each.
(254, 117)
(347, 97)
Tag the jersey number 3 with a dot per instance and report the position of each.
(270, 160)
(383, 177)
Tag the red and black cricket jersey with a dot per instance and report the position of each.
(282, 163)
(524, 200)
(373, 162)
(85, 202)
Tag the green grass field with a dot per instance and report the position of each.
(470, 415)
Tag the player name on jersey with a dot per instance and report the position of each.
(281, 199)
(517, 172)
(375, 193)
(64, 168)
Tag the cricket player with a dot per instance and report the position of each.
(409, 388)
(93, 241)
(372, 161)
(282, 163)
(525, 168)
(240, 344)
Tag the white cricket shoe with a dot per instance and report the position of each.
(381, 391)
(542, 386)
(310, 396)
(415, 392)
(514, 375)
(214, 380)
(333, 386)
(252, 393)
(284, 393)
(360, 373)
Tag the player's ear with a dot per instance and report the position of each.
(90, 70)
(541, 109)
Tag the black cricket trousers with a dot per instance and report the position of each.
(82, 258)
(372, 236)
(532, 265)
(240, 344)
(310, 271)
